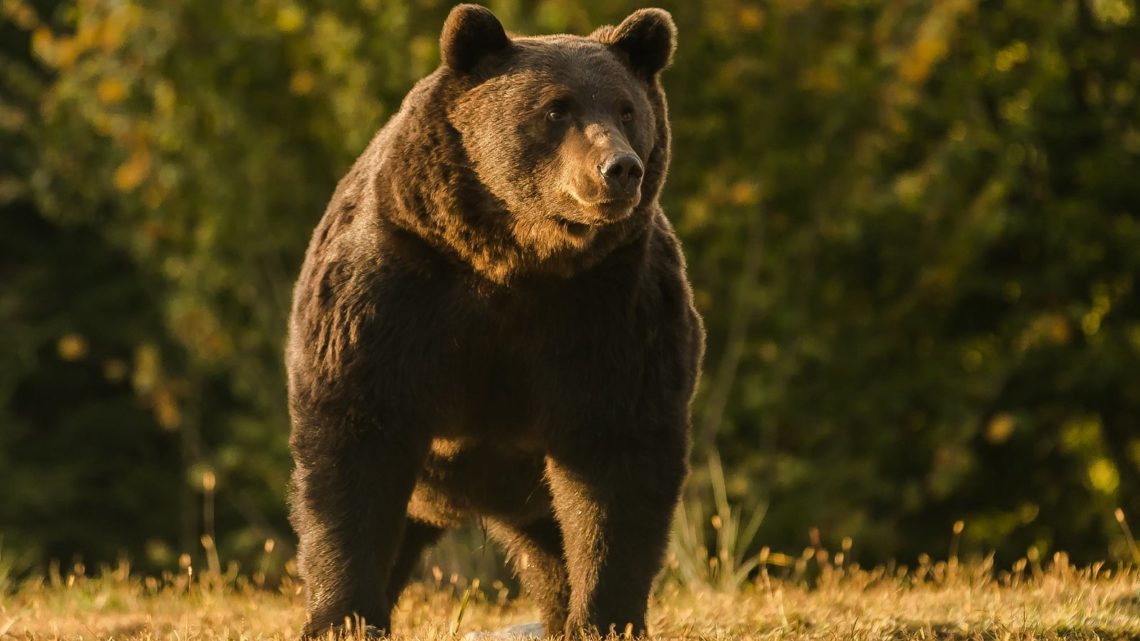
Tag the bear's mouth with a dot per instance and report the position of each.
(607, 209)
(573, 227)
(616, 209)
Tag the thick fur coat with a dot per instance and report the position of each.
(493, 321)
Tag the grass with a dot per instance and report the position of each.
(932, 601)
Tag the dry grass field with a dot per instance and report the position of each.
(931, 601)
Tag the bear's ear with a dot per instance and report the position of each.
(470, 33)
(647, 38)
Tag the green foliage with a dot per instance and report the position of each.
(912, 228)
(946, 292)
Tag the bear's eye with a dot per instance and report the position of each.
(627, 114)
(556, 114)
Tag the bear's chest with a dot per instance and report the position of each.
(496, 364)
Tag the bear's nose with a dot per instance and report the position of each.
(622, 170)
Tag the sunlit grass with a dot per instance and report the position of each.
(716, 585)
(935, 600)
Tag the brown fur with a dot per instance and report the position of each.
(488, 326)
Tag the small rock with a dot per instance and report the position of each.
(521, 632)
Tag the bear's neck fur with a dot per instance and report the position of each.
(424, 185)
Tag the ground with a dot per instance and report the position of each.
(936, 601)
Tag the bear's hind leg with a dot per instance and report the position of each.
(535, 550)
(417, 537)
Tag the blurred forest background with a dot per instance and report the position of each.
(913, 229)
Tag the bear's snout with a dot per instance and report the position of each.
(622, 173)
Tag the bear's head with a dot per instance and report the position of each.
(568, 133)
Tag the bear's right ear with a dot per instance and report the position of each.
(470, 33)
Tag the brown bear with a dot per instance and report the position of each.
(493, 321)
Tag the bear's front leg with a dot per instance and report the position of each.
(350, 491)
(615, 506)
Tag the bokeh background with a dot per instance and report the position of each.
(913, 229)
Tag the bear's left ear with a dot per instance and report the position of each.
(470, 33)
(647, 38)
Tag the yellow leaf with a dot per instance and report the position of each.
(87, 35)
(71, 347)
(147, 368)
(66, 51)
(922, 56)
(1045, 329)
(118, 24)
(111, 33)
(1000, 429)
(22, 14)
(751, 18)
(43, 43)
(166, 409)
(1103, 476)
(744, 193)
(111, 90)
(1111, 12)
(301, 83)
(290, 18)
(1014, 54)
(132, 173)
